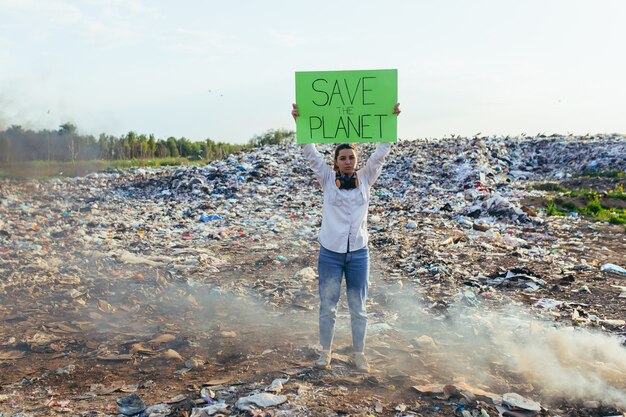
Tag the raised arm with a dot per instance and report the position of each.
(321, 169)
(374, 165)
(318, 165)
(376, 161)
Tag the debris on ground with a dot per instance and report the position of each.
(193, 290)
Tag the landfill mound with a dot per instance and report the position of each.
(192, 291)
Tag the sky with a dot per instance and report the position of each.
(226, 70)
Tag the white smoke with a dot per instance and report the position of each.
(507, 348)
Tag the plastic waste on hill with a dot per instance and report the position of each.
(131, 405)
(613, 268)
(260, 400)
(447, 220)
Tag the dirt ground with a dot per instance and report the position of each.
(82, 326)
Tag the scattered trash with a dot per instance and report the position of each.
(549, 303)
(277, 385)
(172, 354)
(260, 400)
(113, 270)
(164, 338)
(210, 410)
(208, 218)
(425, 342)
(458, 389)
(131, 405)
(515, 401)
(613, 268)
(622, 289)
(158, 410)
(375, 328)
(65, 370)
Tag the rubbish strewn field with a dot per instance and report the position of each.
(192, 291)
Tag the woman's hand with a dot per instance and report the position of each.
(396, 109)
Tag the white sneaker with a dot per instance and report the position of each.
(324, 359)
(360, 362)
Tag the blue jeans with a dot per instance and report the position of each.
(332, 266)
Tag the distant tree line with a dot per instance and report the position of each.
(66, 144)
(273, 137)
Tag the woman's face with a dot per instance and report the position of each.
(346, 161)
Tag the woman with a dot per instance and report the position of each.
(343, 240)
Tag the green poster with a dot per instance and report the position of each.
(346, 106)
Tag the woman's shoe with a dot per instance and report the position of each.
(324, 359)
(360, 362)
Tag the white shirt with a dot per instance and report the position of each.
(344, 212)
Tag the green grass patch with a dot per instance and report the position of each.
(609, 173)
(50, 169)
(550, 186)
(617, 192)
(552, 209)
(593, 206)
(613, 216)
(583, 192)
(154, 162)
(617, 218)
(588, 193)
(589, 204)
(601, 213)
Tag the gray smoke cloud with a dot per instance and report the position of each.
(210, 317)
(509, 347)
(5, 104)
(566, 361)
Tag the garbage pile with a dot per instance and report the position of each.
(193, 290)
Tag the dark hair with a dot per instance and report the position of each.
(341, 147)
